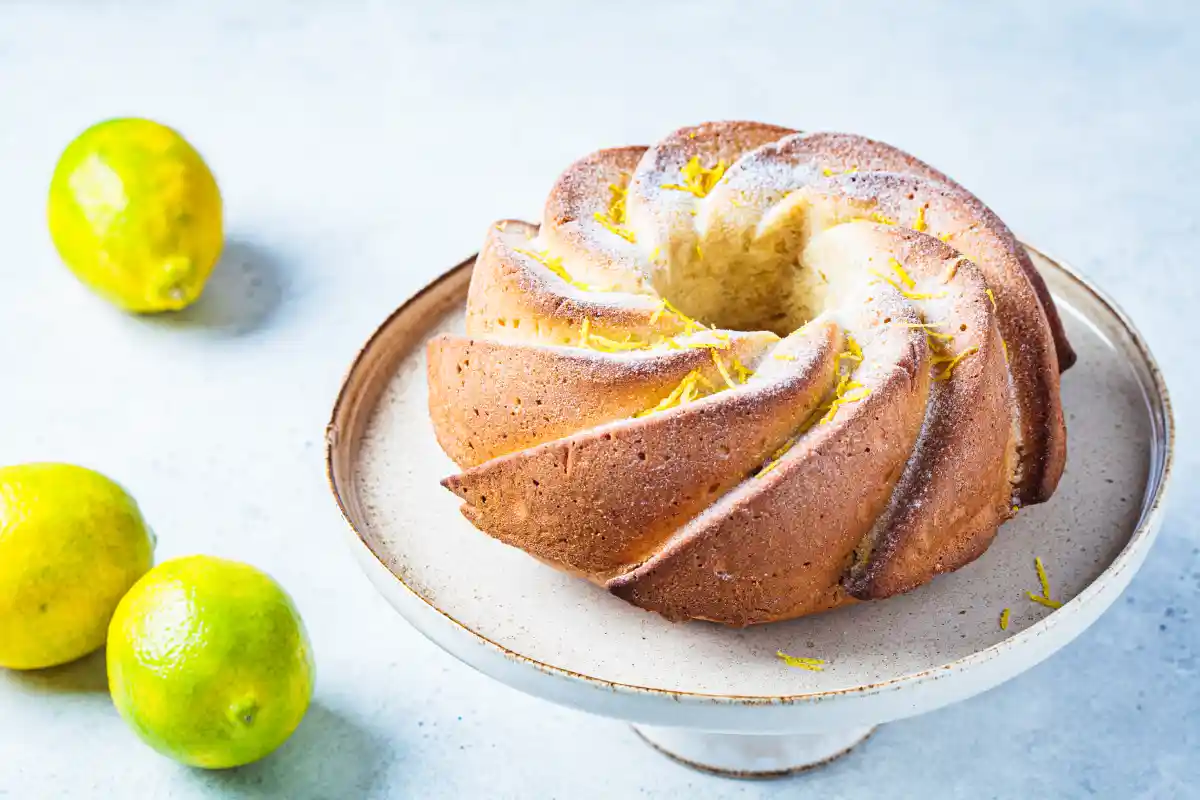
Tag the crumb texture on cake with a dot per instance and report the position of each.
(749, 373)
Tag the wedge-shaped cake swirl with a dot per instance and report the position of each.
(748, 374)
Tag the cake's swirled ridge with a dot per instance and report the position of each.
(749, 373)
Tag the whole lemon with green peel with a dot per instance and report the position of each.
(72, 542)
(136, 214)
(209, 662)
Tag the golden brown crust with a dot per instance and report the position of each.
(971, 228)
(777, 546)
(839, 153)
(570, 227)
(488, 398)
(568, 501)
(513, 296)
(954, 491)
(715, 141)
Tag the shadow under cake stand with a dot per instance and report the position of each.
(716, 698)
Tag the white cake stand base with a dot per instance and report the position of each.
(735, 755)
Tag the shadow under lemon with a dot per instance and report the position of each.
(243, 293)
(85, 676)
(329, 755)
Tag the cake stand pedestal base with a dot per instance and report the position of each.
(751, 756)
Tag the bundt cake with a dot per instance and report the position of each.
(750, 373)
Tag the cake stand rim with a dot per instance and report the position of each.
(1103, 589)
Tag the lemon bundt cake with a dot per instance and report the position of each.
(750, 373)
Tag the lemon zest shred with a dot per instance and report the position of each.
(919, 225)
(850, 397)
(743, 374)
(616, 200)
(828, 173)
(501, 225)
(1004, 347)
(1004, 619)
(721, 368)
(613, 218)
(905, 278)
(555, 265)
(1042, 578)
(665, 306)
(991, 297)
(952, 361)
(945, 237)
(783, 357)
(770, 465)
(603, 343)
(698, 180)
(905, 292)
(685, 392)
(882, 219)
(848, 390)
(777, 456)
(718, 345)
(655, 252)
(931, 334)
(1044, 601)
(667, 402)
(624, 233)
(852, 352)
(801, 662)
(1044, 598)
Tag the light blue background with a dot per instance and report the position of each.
(362, 148)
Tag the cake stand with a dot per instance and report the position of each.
(717, 698)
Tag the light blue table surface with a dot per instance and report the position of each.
(364, 147)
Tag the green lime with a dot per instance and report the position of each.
(136, 214)
(209, 662)
(72, 542)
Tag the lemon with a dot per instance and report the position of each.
(136, 214)
(209, 662)
(72, 542)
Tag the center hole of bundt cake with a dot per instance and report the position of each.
(736, 292)
(739, 284)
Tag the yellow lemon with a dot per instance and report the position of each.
(72, 542)
(209, 662)
(136, 214)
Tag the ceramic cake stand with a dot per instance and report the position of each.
(716, 698)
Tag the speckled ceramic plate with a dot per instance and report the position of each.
(544, 632)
